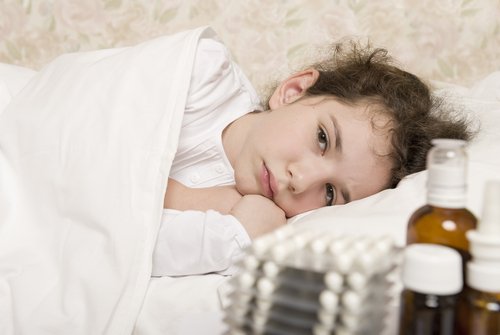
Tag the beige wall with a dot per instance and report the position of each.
(451, 40)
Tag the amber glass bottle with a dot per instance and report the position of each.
(445, 218)
(432, 280)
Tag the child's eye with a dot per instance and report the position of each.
(322, 139)
(330, 194)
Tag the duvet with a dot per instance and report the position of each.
(85, 149)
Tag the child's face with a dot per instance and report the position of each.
(312, 153)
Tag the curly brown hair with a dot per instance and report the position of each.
(358, 74)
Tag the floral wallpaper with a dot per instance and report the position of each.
(456, 41)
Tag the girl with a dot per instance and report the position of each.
(338, 131)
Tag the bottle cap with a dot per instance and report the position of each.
(446, 182)
(432, 269)
(483, 278)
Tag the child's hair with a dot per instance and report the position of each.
(361, 75)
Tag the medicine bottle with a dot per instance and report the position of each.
(432, 281)
(445, 218)
(480, 315)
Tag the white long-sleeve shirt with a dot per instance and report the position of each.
(195, 242)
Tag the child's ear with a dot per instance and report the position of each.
(293, 88)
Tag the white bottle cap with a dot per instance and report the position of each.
(483, 278)
(447, 165)
(432, 269)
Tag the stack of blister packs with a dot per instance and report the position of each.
(298, 282)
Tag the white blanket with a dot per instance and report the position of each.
(85, 151)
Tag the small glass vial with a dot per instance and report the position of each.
(432, 280)
(445, 218)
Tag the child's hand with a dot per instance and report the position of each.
(258, 214)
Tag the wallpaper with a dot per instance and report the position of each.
(456, 41)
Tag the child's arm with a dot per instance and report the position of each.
(194, 238)
(256, 213)
(220, 198)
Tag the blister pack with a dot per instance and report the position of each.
(306, 281)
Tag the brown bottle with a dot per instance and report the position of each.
(444, 219)
(432, 280)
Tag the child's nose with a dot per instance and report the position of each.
(306, 174)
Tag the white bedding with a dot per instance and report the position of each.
(75, 251)
(85, 151)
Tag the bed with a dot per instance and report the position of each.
(92, 277)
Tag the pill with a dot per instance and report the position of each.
(251, 262)
(327, 318)
(329, 300)
(271, 269)
(344, 261)
(246, 279)
(357, 281)
(334, 281)
(265, 286)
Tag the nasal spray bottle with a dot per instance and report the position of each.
(444, 219)
(480, 315)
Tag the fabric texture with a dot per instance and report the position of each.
(195, 242)
(85, 151)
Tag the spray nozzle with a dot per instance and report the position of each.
(490, 220)
(484, 271)
(485, 239)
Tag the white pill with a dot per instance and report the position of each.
(327, 318)
(338, 245)
(281, 251)
(271, 269)
(266, 287)
(334, 281)
(246, 279)
(361, 243)
(384, 244)
(329, 300)
(251, 262)
(344, 261)
(353, 301)
(284, 232)
(261, 245)
(301, 239)
(367, 262)
(357, 281)
(350, 321)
